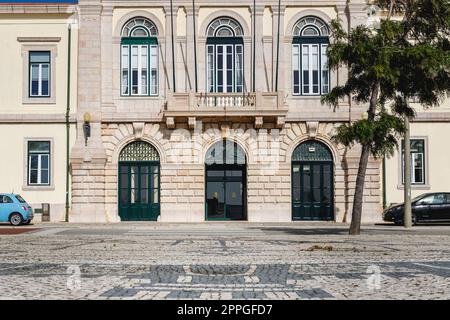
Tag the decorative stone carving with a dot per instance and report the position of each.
(224, 128)
(191, 122)
(259, 122)
(138, 129)
(312, 128)
(170, 122)
(280, 122)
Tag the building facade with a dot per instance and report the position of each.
(34, 101)
(189, 111)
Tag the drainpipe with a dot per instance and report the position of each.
(67, 121)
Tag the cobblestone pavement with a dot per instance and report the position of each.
(224, 261)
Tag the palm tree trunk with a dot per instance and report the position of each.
(355, 226)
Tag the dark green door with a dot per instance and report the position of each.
(139, 191)
(225, 192)
(312, 182)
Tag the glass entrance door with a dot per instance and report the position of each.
(225, 192)
(312, 190)
(139, 191)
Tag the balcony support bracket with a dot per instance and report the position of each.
(259, 122)
(191, 122)
(170, 122)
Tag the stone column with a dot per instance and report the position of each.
(169, 16)
(191, 14)
(88, 161)
(282, 60)
(340, 76)
(259, 49)
(107, 52)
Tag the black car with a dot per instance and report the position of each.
(428, 207)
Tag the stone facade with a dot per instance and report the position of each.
(267, 141)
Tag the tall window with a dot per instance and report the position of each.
(39, 74)
(224, 56)
(139, 58)
(310, 73)
(417, 161)
(38, 162)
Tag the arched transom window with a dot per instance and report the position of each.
(139, 58)
(139, 27)
(310, 73)
(225, 27)
(139, 151)
(224, 56)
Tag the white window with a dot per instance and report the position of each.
(325, 80)
(139, 58)
(224, 56)
(239, 68)
(296, 68)
(210, 67)
(310, 73)
(39, 72)
(125, 70)
(39, 163)
(417, 161)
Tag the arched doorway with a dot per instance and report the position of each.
(312, 182)
(139, 182)
(226, 187)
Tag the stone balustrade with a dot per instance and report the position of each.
(259, 105)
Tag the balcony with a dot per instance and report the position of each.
(255, 106)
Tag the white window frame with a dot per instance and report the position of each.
(413, 156)
(152, 59)
(29, 44)
(234, 68)
(40, 78)
(298, 51)
(310, 69)
(39, 169)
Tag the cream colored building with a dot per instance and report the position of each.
(33, 111)
(192, 112)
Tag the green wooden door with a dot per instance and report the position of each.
(139, 183)
(139, 191)
(312, 182)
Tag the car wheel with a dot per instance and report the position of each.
(399, 222)
(15, 219)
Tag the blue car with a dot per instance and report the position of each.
(15, 210)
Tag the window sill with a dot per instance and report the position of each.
(415, 187)
(38, 188)
(139, 97)
(35, 100)
(312, 97)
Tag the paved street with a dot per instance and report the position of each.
(224, 261)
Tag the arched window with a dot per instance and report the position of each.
(225, 152)
(225, 56)
(139, 58)
(139, 151)
(310, 73)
